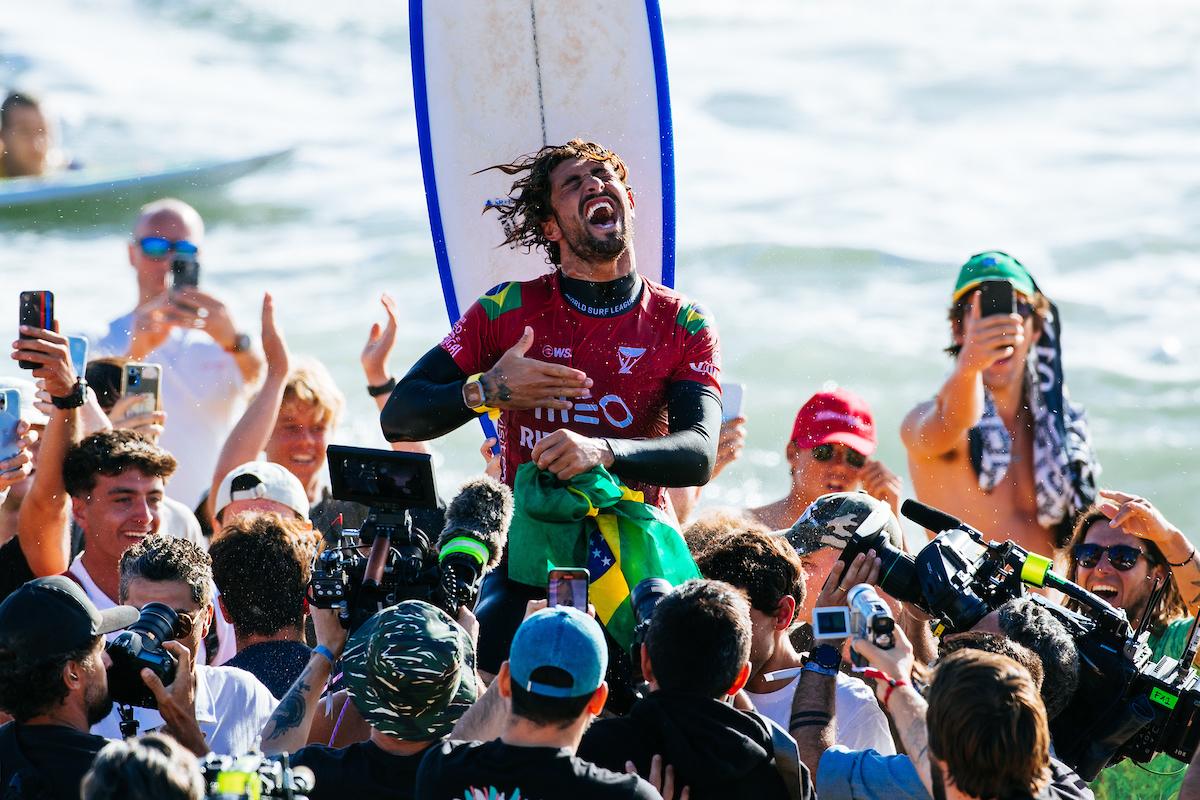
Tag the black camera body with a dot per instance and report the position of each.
(140, 646)
(1125, 706)
(406, 563)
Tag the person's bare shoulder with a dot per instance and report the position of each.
(925, 434)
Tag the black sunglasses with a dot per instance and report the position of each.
(1121, 556)
(824, 452)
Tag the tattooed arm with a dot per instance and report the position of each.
(287, 729)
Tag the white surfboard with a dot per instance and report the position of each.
(68, 185)
(497, 79)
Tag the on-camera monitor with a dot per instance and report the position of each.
(381, 477)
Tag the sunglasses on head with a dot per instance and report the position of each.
(158, 247)
(1121, 556)
(824, 452)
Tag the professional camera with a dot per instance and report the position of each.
(254, 776)
(388, 560)
(1125, 706)
(140, 646)
(643, 598)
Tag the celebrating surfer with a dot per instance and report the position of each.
(590, 365)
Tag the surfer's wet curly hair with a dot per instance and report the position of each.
(529, 198)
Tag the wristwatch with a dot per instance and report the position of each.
(75, 399)
(824, 659)
(472, 393)
(241, 343)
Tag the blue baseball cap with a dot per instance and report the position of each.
(566, 639)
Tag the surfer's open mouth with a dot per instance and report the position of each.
(600, 213)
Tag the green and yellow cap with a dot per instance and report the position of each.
(993, 266)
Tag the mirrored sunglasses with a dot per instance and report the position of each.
(158, 247)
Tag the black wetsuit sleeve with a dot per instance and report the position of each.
(428, 402)
(686, 455)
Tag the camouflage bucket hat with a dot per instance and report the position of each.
(411, 671)
(834, 519)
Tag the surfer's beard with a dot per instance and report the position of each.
(588, 248)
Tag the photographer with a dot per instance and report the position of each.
(768, 570)
(53, 681)
(411, 674)
(1121, 547)
(985, 727)
(260, 562)
(696, 655)
(231, 705)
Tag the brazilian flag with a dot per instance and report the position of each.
(594, 520)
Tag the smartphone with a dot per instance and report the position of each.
(568, 586)
(145, 379)
(996, 297)
(79, 350)
(185, 271)
(10, 415)
(733, 396)
(37, 310)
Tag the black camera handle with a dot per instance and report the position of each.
(129, 725)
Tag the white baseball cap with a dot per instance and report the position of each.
(262, 480)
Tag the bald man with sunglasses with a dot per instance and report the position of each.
(210, 363)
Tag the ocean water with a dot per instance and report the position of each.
(836, 163)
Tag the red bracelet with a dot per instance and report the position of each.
(891, 688)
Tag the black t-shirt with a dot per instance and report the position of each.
(276, 664)
(62, 755)
(14, 569)
(362, 770)
(457, 770)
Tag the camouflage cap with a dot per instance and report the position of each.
(833, 519)
(410, 670)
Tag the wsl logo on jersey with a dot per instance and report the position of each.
(629, 356)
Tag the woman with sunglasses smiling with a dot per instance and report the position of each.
(1121, 546)
(830, 451)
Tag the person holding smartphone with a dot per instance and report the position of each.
(1001, 446)
(210, 363)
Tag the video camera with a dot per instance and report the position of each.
(403, 562)
(255, 776)
(1125, 706)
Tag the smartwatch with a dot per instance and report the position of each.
(824, 659)
(472, 393)
(75, 399)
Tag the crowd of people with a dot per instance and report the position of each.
(205, 504)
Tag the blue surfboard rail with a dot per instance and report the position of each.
(666, 134)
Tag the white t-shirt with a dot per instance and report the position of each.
(859, 722)
(227, 641)
(201, 389)
(232, 707)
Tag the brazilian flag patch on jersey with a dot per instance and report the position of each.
(693, 317)
(502, 298)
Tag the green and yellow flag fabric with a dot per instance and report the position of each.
(594, 520)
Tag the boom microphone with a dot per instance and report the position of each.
(474, 536)
(930, 518)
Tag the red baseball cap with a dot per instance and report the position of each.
(837, 417)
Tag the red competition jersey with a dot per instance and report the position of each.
(632, 359)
